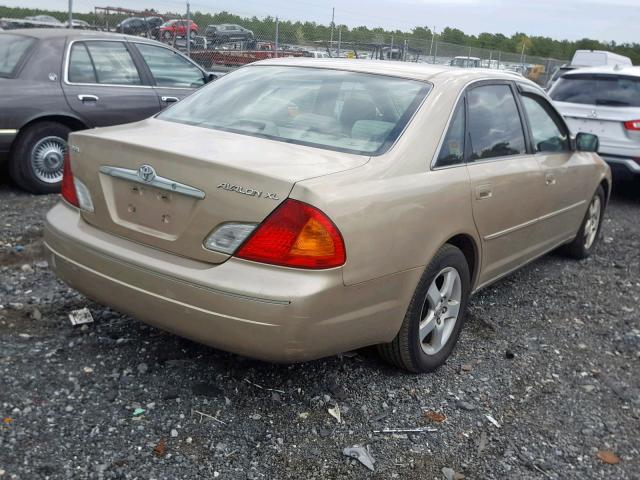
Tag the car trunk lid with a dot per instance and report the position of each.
(168, 185)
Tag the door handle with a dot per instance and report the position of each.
(483, 192)
(169, 99)
(550, 179)
(88, 98)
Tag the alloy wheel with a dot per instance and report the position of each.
(593, 222)
(440, 311)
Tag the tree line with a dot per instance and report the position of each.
(418, 37)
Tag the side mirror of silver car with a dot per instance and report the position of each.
(587, 142)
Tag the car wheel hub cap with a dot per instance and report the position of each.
(440, 311)
(47, 159)
(593, 222)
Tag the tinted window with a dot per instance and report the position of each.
(169, 69)
(591, 89)
(452, 149)
(495, 129)
(80, 65)
(113, 63)
(332, 109)
(12, 49)
(548, 133)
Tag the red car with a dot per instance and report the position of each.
(177, 28)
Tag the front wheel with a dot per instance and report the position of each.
(38, 157)
(587, 238)
(435, 316)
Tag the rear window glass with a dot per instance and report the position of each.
(336, 110)
(611, 90)
(13, 48)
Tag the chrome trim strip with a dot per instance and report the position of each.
(8, 131)
(158, 182)
(501, 233)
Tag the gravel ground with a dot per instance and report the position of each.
(551, 354)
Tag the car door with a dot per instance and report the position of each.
(174, 76)
(506, 180)
(104, 86)
(567, 173)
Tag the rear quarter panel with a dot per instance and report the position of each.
(36, 90)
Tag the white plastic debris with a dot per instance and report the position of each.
(362, 455)
(493, 420)
(335, 413)
(80, 317)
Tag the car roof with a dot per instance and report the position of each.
(45, 33)
(411, 70)
(612, 70)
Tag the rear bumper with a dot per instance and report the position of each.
(269, 313)
(621, 165)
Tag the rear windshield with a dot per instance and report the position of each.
(12, 49)
(590, 89)
(332, 109)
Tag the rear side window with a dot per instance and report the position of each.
(452, 149)
(13, 48)
(594, 89)
(548, 133)
(102, 62)
(169, 69)
(495, 129)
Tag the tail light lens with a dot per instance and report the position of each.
(633, 125)
(296, 235)
(68, 189)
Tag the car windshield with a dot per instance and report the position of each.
(331, 109)
(12, 49)
(598, 89)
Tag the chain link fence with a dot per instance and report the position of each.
(223, 41)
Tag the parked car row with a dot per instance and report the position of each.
(295, 209)
(57, 81)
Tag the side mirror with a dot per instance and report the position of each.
(587, 142)
(210, 77)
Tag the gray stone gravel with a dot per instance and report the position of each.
(552, 353)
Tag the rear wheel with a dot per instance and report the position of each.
(38, 157)
(585, 242)
(435, 316)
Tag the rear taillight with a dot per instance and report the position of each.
(296, 235)
(73, 190)
(68, 189)
(633, 125)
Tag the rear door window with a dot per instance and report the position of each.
(494, 125)
(596, 89)
(13, 49)
(102, 62)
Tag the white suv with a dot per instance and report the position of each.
(604, 101)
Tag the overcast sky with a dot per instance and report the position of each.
(617, 20)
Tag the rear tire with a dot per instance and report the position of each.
(435, 316)
(585, 242)
(37, 157)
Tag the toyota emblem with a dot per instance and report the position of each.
(146, 173)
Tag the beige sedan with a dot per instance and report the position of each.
(299, 208)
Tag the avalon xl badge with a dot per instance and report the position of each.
(146, 173)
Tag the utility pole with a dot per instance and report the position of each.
(333, 16)
(433, 34)
(70, 14)
(339, 40)
(188, 30)
(277, 35)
